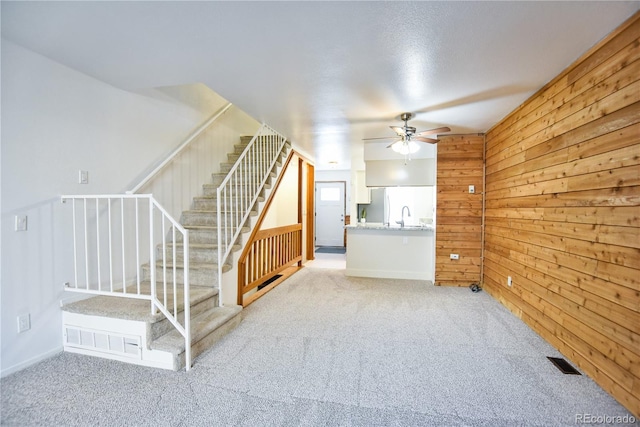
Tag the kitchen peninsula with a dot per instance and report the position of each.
(377, 250)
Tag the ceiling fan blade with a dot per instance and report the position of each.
(399, 130)
(423, 139)
(382, 137)
(434, 131)
(393, 143)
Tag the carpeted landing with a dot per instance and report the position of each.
(325, 349)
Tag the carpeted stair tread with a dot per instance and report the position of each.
(212, 199)
(198, 252)
(232, 163)
(214, 245)
(210, 227)
(213, 229)
(218, 177)
(193, 265)
(212, 187)
(215, 185)
(211, 212)
(201, 326)
(137, 309)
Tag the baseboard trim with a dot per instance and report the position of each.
(31, 362)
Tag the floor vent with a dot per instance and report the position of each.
(564, 366)
(273, 279)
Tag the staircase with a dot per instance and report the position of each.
(125, 329)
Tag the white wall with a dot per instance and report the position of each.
(284, 207)
(57, 121)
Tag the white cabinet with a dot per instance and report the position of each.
(392, 173)
(363, 194)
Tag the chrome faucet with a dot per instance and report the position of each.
(401, 222)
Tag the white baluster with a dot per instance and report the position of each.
(110, 246)
(98, 243)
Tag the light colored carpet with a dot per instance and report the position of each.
(325, 349)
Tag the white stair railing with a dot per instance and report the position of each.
(240, 189)
(113, 235)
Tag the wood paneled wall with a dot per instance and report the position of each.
(459, 213)
(562, 213)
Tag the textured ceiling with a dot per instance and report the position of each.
(327, 74)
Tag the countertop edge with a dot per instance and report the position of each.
(387, 228)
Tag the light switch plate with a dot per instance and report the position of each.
(21, 223)
(24, 323)
(472, 189)
(83, 177)
(454, 256)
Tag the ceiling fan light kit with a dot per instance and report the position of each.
(405, 147)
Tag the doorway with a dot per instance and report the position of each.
(330, 211)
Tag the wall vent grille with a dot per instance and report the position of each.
(103, 342)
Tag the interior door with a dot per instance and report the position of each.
(330, 210)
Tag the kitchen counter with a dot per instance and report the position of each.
(376, 250)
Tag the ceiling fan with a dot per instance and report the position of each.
(408, 136)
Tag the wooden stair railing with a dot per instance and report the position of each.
(269, 252)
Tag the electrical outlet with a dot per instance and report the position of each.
(21, 223)
(454, 256)
(24, 323)
(509, 281)
(405, 240)
(83, 177)
(472, 189)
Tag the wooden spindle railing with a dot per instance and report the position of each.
(271, 252)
